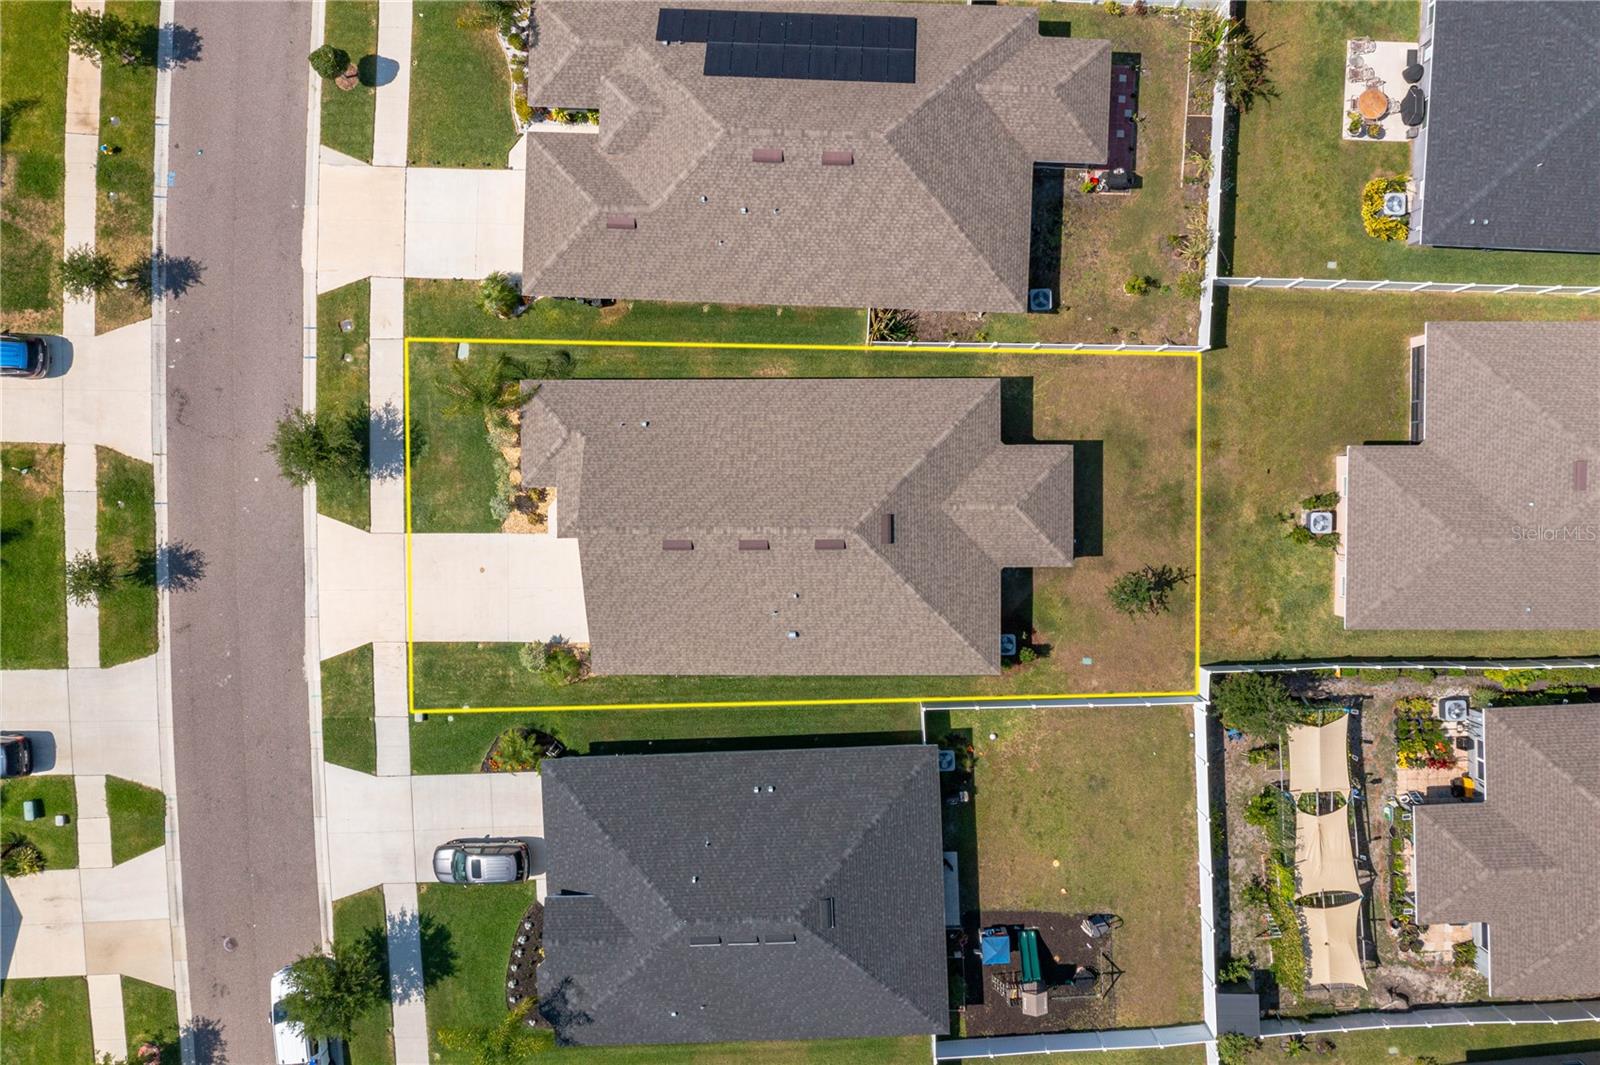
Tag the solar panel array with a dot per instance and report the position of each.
(777, 44)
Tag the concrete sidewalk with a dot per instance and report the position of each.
(406, 994)
(392, 108)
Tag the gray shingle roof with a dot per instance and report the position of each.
(792, 462)
(1482, 526)
(1526, 860)
(935, 212)
(1513, 127)
(700, 884)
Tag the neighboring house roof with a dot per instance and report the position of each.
(1493, 520)
(934, 212)
(1513, 127)
(813, 470)
(1525, 860)
(744, 895)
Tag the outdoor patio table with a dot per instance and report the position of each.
(1373, 104)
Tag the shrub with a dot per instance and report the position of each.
(1255, 703)
(89, 578)
(20, 856)
(516, 752)
(329, 62)
(523, 109)
(1026, 654)
(308, 450)
(1234, 971)
(86, 272)
(1266, 754)
(1267, 810)
(1145, 591)
(1321, 501)
(1138, 284)
(1224, 48)
(1233, 1048)
(516, 42)
(1379, 225)
(1254, 893)
(531, 656)
(1194, 243)
(499, 295)
(1112, 7)
(559, 365)
(498, 15)
(1191, 284)
(1420, 736)
(1518, 680)
(561, 665)
(889, 323)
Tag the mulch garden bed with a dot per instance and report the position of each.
(523, 965)
(1063, 946)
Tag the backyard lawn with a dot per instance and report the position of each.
(1106, 238)
(1298, 188)
(125, 179)
(126, 533)
(45, 1021)
(1302, 376)
(1448, 1046)
(439, 745)
(348, 738)
(150, 1014)
(138, 818)
(33, 117)
(1136, 438)
(1092, 811)
(344, 390)
(460, 91)
(1195, 1055)
(355, 918)
(33, 527)
(58, 843)
(347, 115)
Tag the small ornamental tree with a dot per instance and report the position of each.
(328, 993)
(308, 450)
(96, 37)
(329, 62)
(90, 577)
(86, 272)
(1147, 590)
(499, 295)
(561, 665)
(1255, 703)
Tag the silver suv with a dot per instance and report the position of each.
(481, 861)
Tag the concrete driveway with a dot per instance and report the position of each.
(504, 587)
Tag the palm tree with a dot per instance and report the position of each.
(505, 1043)
(489, 388)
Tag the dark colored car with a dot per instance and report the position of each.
(16, 755)
(23, 356)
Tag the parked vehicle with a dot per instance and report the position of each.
(16, 755)
(481, 861)
(289, 1042)
(23, 355)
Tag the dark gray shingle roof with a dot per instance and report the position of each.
(1513, 128)
(792, 462)
(1483, 525)
(741, 851)
(1526, 860)
(935, 212)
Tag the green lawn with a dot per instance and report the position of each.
(33, 536)
(150, 1014)
(1105, 238)
(347, 116)
(439, 745)
(126, 532)
(465, 953)
(348, 738)
(125, 179)
(138, 818)
(45, 1020)
(466, 989)
(460, 92)
(1449, 1046)
(1299, 183)
(344, 389)
(58, 844)
(33, 116)
(1304, 375)
(1109, 794)
(357, 917)
(1136, 438)
(1195, 1055)
(449, 309)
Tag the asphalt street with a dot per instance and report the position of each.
(239, 697)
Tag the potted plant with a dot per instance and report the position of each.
(1356, 126)
(1375, 130)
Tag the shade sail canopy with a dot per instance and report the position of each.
(1331, 934)
(1323, 858)
(1319, 758)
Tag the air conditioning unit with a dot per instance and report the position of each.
(1396, 205)
(1041, 300)
(1320, 522)
(1454, 707)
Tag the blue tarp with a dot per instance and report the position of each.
(996, 947)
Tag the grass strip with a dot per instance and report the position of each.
(347, 114)
(355, 918)
(150, 1015)
(125, 178)
(125, 490)
(138, 818)
(344, 390)
(348, 736)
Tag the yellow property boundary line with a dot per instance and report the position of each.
(413, 708)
